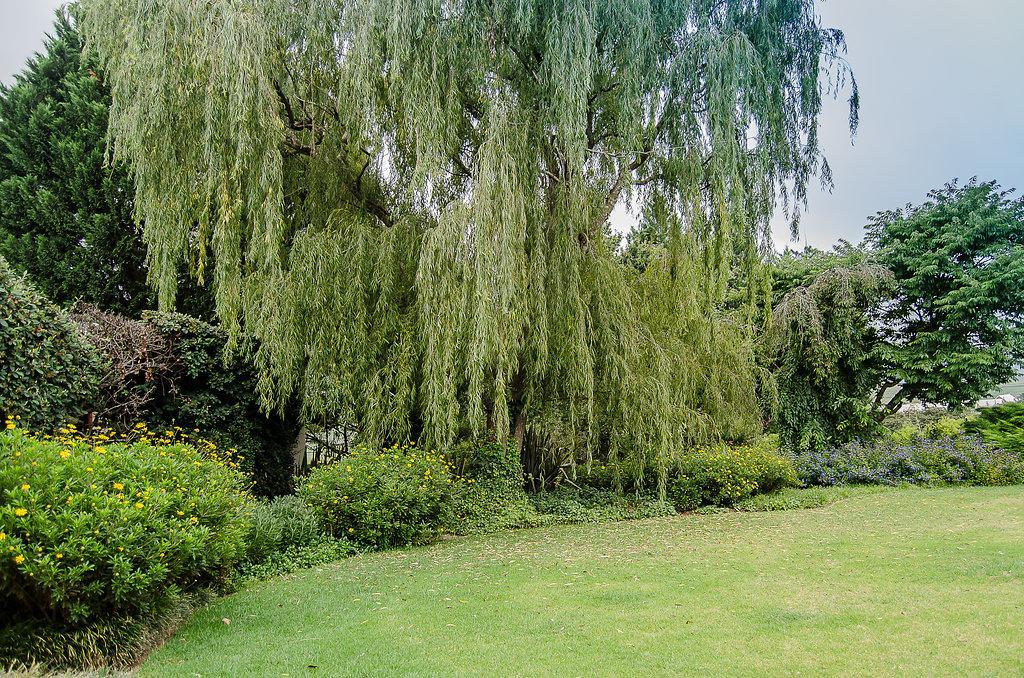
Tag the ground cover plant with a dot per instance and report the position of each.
(924, 581)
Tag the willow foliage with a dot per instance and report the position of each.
(825, 352)
(402, 204)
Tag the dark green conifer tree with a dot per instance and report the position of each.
(65, 219)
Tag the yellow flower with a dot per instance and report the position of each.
(181, 513)
(193, 520)
(20, 512)
(138, 504)
(25, 487)
(60, 555)
(19, 559)
(351, 530)
(3, 535)
(118, 486)
(64, 454)
(10, 425)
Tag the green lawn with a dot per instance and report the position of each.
(927, 582)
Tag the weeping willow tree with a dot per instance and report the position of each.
(402, 205)
(826, 353)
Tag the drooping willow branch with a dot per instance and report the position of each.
(406, 201)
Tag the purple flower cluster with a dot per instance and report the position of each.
(944, 460)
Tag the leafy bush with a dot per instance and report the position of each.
(1002, 426)
(280, 524)
(944, 460)
(48, 374)
(907, 428)
(169, 369)
(484, 460)
(392, 497)
(725, 476)
(94, 532)
(491, 504)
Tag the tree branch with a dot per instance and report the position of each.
(620, 181)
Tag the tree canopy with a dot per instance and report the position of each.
(403, 206)
(929, 307)
(64, 218)
(954, 327)
(824, 348)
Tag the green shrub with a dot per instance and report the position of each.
(491, 504)
(93, 532)
(221, 399)
(482, 460)
(169, 369)
(1001, 426)
(725, 476)
(392, 497)
(905, 429)
(48, 373)
(278, 525)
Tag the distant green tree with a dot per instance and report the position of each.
(793, 269)
(930, 308)
(954, 327)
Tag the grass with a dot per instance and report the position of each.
(804, 498)
(927, 581)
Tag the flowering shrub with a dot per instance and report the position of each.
(390, 497)
(92, 531)
(723, 477)
(942, 460)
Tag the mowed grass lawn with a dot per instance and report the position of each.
(918, 581)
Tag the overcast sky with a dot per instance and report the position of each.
(940, 88)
